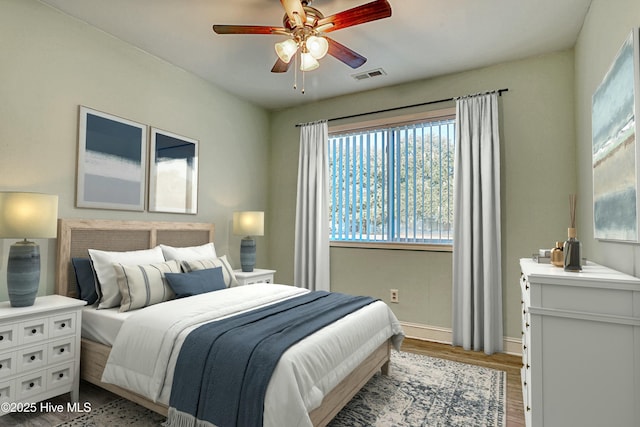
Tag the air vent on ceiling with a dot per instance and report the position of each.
(369, 74)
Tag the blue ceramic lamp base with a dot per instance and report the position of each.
(248, 254)
(23, 273)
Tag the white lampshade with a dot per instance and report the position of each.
(248, 223)
(286, 50)
(308, 62)
(28, 215)
(317, 46)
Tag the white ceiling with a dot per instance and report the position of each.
(422, 39)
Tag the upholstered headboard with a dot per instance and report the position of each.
(76, 236)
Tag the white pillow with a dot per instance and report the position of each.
(191, 253)
(200, 264)
(103, 265)
(144, 285)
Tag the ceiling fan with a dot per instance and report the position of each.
(305, 27)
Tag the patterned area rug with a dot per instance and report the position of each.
(118, 413)
(425, 391)
(419, 391)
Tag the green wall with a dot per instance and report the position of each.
(538, 174)
(51, 63)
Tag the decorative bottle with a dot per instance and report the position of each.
(571, 252)
(557, 256)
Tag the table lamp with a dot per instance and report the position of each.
(23, 216)
(248, 224)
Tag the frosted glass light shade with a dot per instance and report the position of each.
(248, 223)
(317, 46)
(28, 215)
(308, 62)
(286, 49)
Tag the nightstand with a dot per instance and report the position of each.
(40, 350)
(256, 276)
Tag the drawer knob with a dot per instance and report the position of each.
(62, 350)
(1, 337)
(62, 325)
(33, 357)
(33, 331)
(31, 385)
(60, 375)
(0, 365)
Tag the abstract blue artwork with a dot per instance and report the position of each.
(615, 147)
(111, 162)
(173, 173)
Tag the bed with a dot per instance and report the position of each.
(76, 236)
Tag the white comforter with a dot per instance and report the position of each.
(143, 356)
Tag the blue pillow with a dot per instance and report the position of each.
(85, 279)
(196, 282)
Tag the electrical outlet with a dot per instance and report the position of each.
(394, 295)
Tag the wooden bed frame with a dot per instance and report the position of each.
(75, 236)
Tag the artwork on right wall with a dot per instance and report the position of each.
(615, 147)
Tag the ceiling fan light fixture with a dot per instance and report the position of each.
(286, 49)
(308, 62)
(317, 46)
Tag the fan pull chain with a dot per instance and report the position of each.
(295, 71)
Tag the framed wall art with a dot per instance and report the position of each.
(173, 173)
(615, 147)
(111, 162)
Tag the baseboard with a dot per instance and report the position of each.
(445, 336)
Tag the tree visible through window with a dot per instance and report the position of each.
(393, 183)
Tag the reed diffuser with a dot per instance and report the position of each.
(571, 249)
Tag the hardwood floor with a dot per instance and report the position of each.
(511, 364)
(504, 362)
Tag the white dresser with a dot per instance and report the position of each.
(580, 346)
(39, 350)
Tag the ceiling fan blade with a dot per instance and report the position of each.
(372, 11)
(248, 29)
(294, 8)
(344, 54)
(280, 66)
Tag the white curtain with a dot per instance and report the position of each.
(311, 259)
(477, 271)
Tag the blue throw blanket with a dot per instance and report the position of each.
(224, 367)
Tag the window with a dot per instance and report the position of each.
(393, 183)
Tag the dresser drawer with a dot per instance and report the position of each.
(30, 385)
(64, 324)
(8, 336)
(7, 392)
(62, 350)
(60, 376)
(31, 358)
(33, 331)
(8, 364)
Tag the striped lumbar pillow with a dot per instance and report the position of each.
(144, 285)
(227, 272)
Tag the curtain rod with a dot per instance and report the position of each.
(499, 91)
